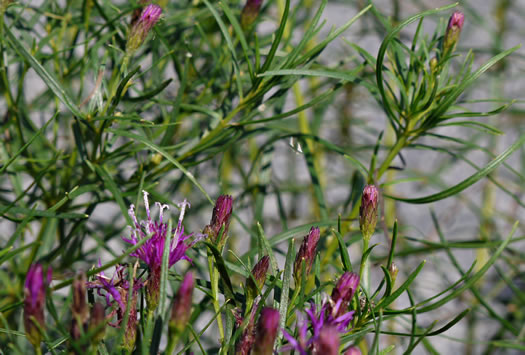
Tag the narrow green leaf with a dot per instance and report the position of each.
(451, 191)
(46, 77)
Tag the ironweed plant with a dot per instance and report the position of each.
(312, 177)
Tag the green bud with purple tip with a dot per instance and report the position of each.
(368, 211)
(455, 24)
(250, 12)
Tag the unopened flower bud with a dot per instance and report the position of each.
(221, 216)
(255, 284)
(250, 12)
(368, 211)
(97, 323)
(181, 308)
(34, 302)
(354, 350)
(433, 65)
(306, 254)
(327, 342)
(455, 24)
(79, 307)
(393, 270)
(245, 343)
(266, 332)
(140, 29)
(343, 292)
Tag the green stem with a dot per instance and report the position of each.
(364, 267)
(214, 280)
(394, 151)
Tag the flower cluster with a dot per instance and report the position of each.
(118, 292)
(152, 250)
(333, 317)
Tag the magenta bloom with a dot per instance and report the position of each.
(152, 250)
(34, 302)
(116, 292)
(327, 317)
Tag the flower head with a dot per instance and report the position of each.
(455, 24)
(245, 343)
(250, 12)
(181, 308)
(327, 317)
(152, 250)
(306, 254)
(344, 290)
(221, 216)
(368, 211)
(255, 284)
(34, 302)
(97, 323)
(117, 293)
(140, 28)
(79, 307)
(266, 331)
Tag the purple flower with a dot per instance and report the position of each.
(181, 309)
(152, 250)
(140, 28)
(455, 24)
(250, 12)
(221, 216)
(344, 291)
(368, 211)
(34, 302)
(306, 255)
(266, 331)
(117, 291)
(327, 317)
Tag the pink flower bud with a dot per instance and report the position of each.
(259, 275)
(343, 292)
(181, 308)
(455, 24)
(79, 307)
(306, 254)
(328, 342)
(140, 29)
(266, 332)
(221, 216)
(34, 302)
(368, 211)
(250, 12)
